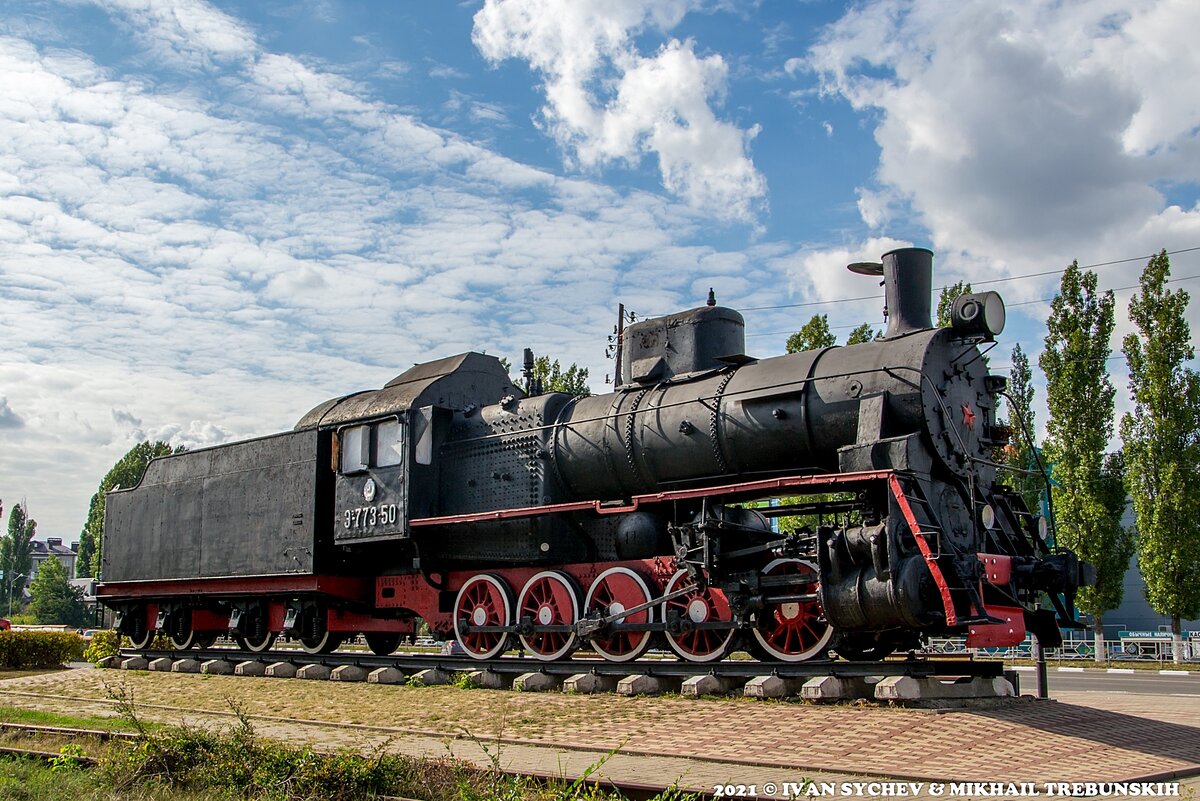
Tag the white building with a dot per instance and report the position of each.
(53, 547)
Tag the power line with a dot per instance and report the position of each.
(1082, 267)
(1114, 289)
(977, 283)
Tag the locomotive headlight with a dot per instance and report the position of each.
(978, 314)
(987, 515)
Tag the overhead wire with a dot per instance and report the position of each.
(978, 283)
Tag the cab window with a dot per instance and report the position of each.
(356, 449)
(389, 443)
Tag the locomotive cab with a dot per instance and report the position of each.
(385, 442)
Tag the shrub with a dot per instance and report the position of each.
(20, 650)
(108, 642)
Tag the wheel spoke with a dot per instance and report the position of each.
(549, 599)
(482, 601)
(793, 632)
(699, 606)
(612, 592)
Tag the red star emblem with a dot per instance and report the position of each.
(968, 417)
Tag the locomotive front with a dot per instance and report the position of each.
(901, 431)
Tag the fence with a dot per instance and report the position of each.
(1125, 649)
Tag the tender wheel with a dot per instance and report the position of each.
(698, 606)
(327, 643)
(793, 631)
(382, 643)
(614, 591)
(255, 643)
(179, 629)
(206, 639)
(140, 635)
(484, 600)
(549, 599)
(316, 637)
(256, 636)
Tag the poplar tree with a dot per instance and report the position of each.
(1162, 445)
(1026, 477)
(946, 300)
(1080, 398)
(16, 552)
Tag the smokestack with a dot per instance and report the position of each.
(907, 282)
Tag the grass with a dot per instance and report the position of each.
(390, 706)
(191, 763)
(37, 717)
(20, 674)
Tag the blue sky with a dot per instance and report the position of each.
(216, 215)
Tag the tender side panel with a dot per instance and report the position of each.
(244, 509)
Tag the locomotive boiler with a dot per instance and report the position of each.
(845, 498)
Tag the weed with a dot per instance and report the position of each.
(68, 758)
(466, 681)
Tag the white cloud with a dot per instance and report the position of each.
(9, 418)
(1038, 126)
(206, 264)
(606, 102)
(1023, 136)
(187, 33)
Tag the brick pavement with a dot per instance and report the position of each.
(1084, 737)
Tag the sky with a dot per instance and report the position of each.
(215, 215)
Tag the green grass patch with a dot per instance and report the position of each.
(35, 717)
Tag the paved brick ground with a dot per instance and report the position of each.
(1082, 737)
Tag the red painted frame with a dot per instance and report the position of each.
(414, 594)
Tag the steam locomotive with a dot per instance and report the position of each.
(839, 499)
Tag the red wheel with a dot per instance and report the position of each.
(484, 600)
(793, 631)
(614, 591)
(698, 606)
(549, 599)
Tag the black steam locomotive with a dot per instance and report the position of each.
(843, 498)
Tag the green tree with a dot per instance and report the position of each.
(16, 552)
(1080, 398)
(553, 378)
(127, 472)
(864, 333)
(1026, 478)
(1162, 444)
(53, 599)
(946, 301)
(813, 335)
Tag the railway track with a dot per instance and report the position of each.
(752, 678)
(631, 790)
